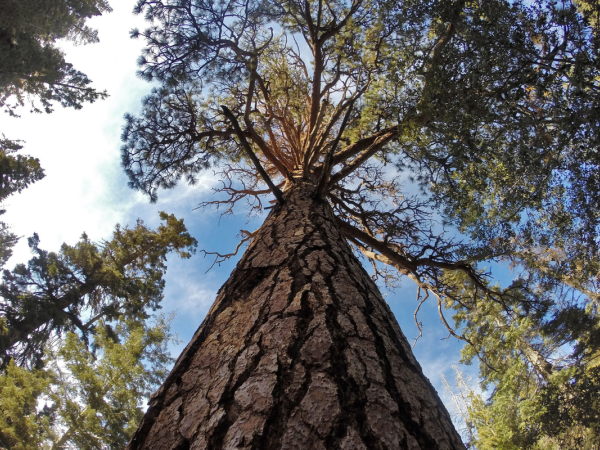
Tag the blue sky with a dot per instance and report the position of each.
(85, 189)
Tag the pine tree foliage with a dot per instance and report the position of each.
(87, 397)
(19, 391)
(33, 70)
(73, 289)
(32, 67)
(16, 173)
(560, 415)
(492, 107)
(539, 363)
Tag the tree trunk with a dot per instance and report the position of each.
(299, 351)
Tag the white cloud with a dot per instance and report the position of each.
(79, 150)
(85, 188)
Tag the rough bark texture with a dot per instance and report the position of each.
(299, 351)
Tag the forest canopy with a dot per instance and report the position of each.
(33, 68)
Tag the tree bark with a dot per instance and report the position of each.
(299, 351)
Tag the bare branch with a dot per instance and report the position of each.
(248, 190)
(402, 263)
(309, 149)
(456, 335)
(417, 323)
(328, 163)
(410, 263)
(219, 258)
(276, 191)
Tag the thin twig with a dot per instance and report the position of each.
(219, 258)
(459, 336)
(419, 324)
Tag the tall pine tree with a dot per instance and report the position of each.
(491, 106)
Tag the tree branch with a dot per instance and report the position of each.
(363, 157)
(328, 163)
(276, 191)
(360, 145)
(409, 265)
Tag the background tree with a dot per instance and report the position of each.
(86, 397)
(16, 173)
(32, 67)
(538, 365)
(74, 289)
(80, 352)
(492, 107)
(33, 70)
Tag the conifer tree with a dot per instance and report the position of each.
(538, 363)
(32, 67)
(82, 284)
(314, 106)
(79, 349)
(33, 70)
(16, 173)
(86, 396)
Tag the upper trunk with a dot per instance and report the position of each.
(299, 351)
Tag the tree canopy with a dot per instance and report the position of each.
(16, 173)
(491, 107)
(33, 70)
(79, 345)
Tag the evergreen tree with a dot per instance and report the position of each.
(491, 106)
(33, 69)
(538, 361)
(16, 173)
(79, 351)
(87, 397)
(32, 66)
(73, 289)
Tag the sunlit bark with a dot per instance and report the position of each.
(299, 351)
